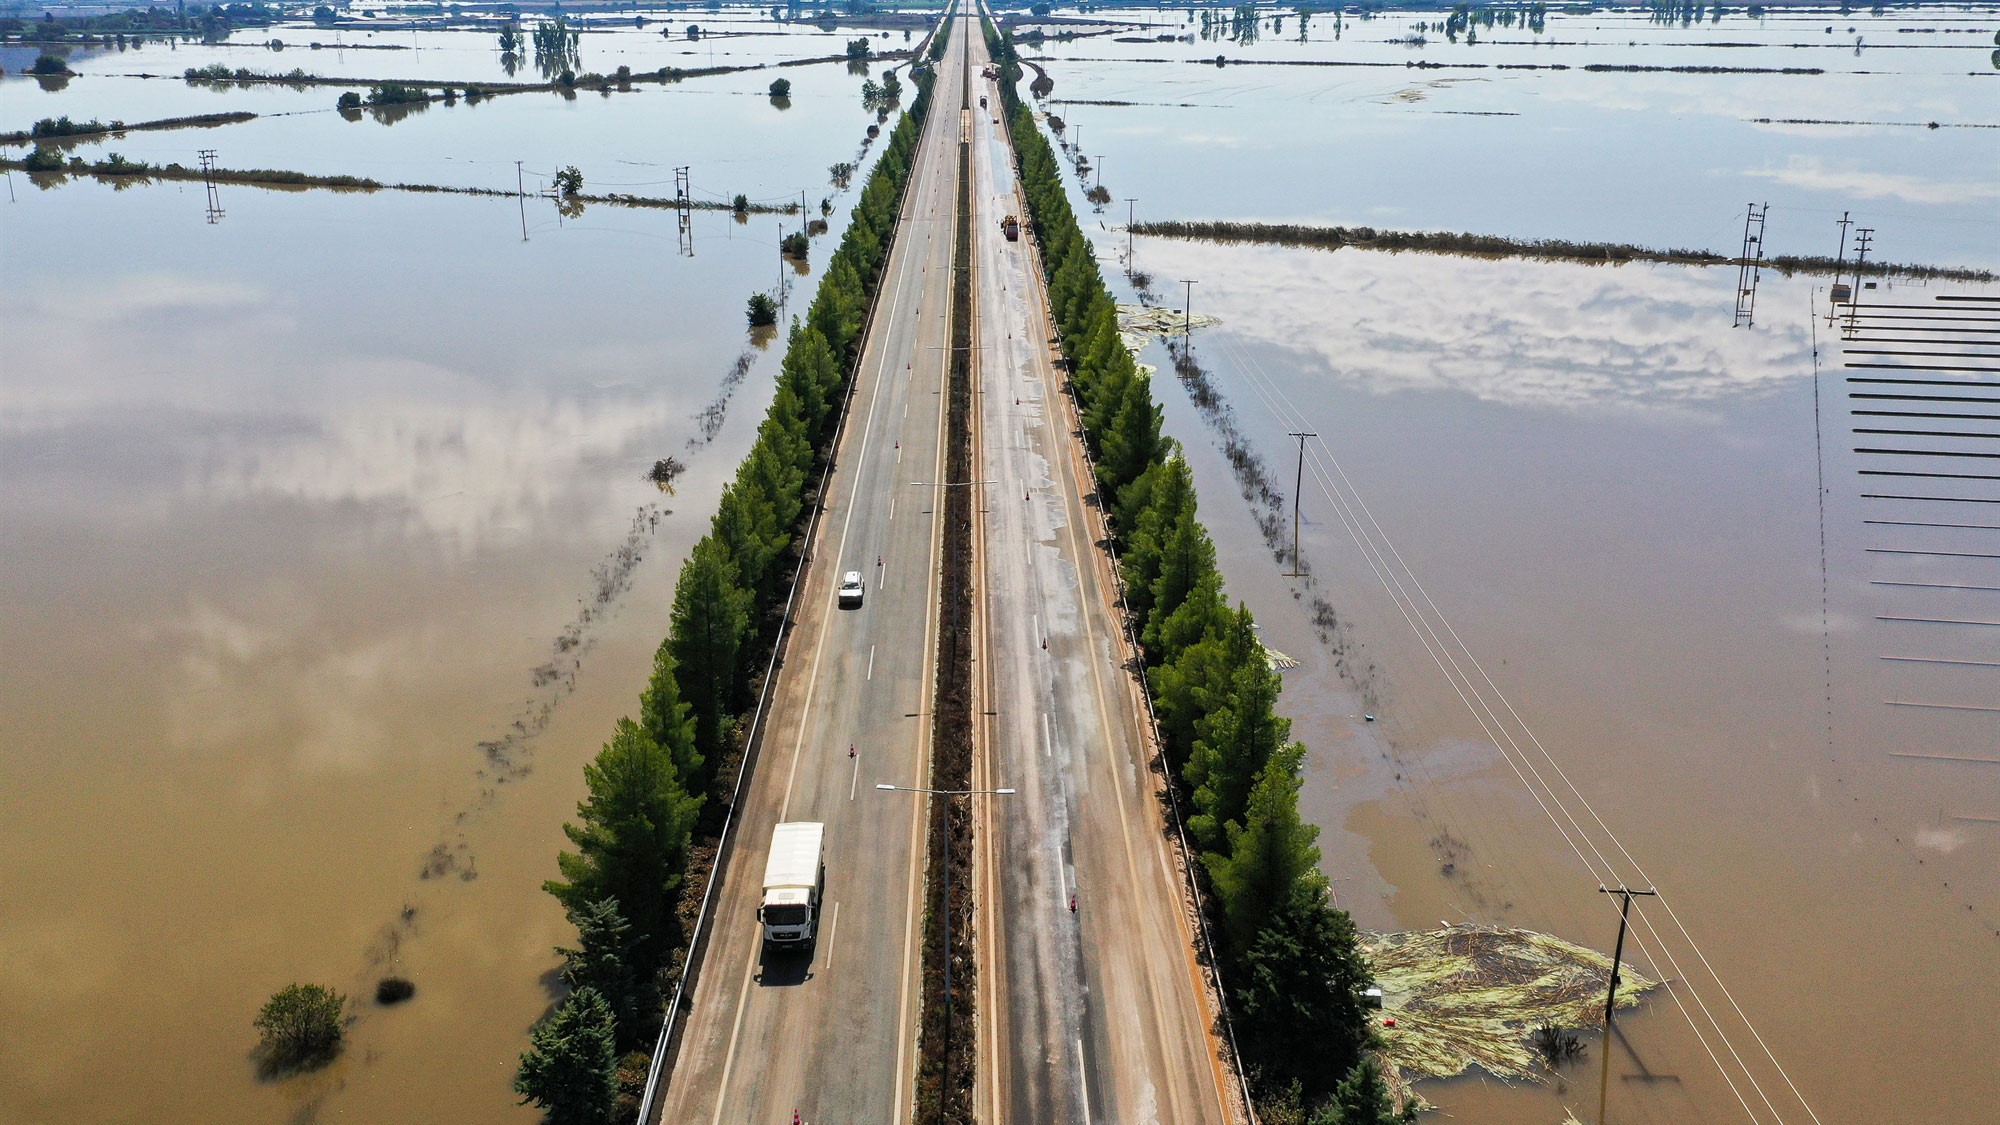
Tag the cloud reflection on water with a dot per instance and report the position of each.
(1533, 334)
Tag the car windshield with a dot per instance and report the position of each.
(789, 914)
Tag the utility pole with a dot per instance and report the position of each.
(1298, 488)
(1862, 238)
(1749, 267)
(1611, 988)
(1097, 171)
(682, 205)
(1839, 264)
(207, 178)
(521, 196)
(1187, 312)
(1129, 201)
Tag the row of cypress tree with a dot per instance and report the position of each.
(660, 785)
(1295, 971)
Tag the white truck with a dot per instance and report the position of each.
(794, 879)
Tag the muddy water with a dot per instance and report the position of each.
(1609, 494)
(1663, 159)
(300, 510)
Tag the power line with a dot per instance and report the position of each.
(1489, 719)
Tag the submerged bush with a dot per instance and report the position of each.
(394, 990)
(301, 1026)
(763, 310)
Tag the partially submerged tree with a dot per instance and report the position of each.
(603, 961)
(301, 1027)
(570, 1069)
(632, 837)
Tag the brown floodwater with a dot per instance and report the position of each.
(300, 512)
(1608, 497)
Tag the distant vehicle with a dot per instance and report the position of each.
(852, 589)
(794, 880)
(982, 101)
(1011, 227)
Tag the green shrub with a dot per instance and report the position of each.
(301, 1027)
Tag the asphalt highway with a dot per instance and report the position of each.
(831, 1035)
(1092, 1007)
(1090, 1003)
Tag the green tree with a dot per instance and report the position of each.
(1133, 441)
(301, 1026)
(710, 619)
(763, 310)
(1158, 499)
(1234, 742)
(570, 1069)
(1186, 554)
(666, 716)
(1299, 991)
(1268, 854)
(603, 961)
(1362, 1098)
(781, 88)
(631, 839)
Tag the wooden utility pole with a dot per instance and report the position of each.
(1611, 988)
(1187, 312)
(1129, 201)
(1298, 488)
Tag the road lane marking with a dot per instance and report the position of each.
(832, 931)
(871, 662)
(854, 781)
(1083, 1076)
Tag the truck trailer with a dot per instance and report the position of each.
(794, 881)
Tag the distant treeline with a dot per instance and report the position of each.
(1497, 246)
(1422, 64)
(1295, 972)
(647, 834)
(47, 160)
(60, 128)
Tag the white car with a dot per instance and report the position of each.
(851, 589)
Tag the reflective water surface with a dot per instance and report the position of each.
(1608, 497)
(301, 509)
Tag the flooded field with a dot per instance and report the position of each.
(1513, 135)
(330, 556)
(1575, 616)
(1617, 519)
